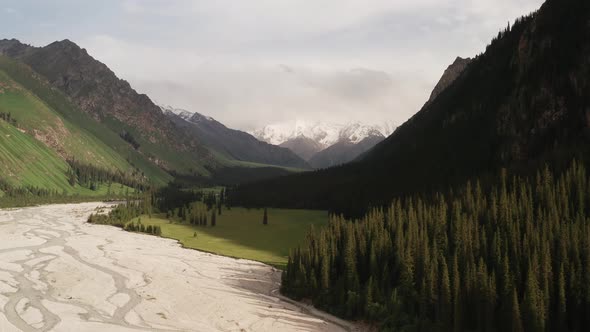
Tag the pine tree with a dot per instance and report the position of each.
(516, 321)
(533, 316)
(213, 218)
(265, 217)
(445, 303)
(562, 301)
(457, 301)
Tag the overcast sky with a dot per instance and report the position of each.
(249, 63)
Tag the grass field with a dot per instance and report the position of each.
(240, 233)
(25, 161)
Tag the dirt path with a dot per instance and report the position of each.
(58, 273)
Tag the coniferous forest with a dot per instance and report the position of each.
(514, 257)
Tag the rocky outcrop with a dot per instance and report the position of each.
(449, 76)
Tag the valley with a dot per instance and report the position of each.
(278, 192)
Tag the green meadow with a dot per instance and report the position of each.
(240, 233)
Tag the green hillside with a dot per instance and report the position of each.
(95, 90)
(47, 115)
(28, 162)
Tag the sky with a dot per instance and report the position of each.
(249, 63)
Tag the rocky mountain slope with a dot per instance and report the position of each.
(449, 76)
(344, 152)
(520, 104)
(303, 146)
(230, 143)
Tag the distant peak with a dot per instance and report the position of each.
(460, 60)
(184, 114)
(65, 44)
(324, 134)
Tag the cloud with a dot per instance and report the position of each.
(248, 63)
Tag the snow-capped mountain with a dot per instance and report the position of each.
(325, 144)
(184, 114)
(230, 143)
(326, 134)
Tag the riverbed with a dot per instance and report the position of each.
(58, 273)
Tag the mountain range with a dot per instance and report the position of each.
(230, 143)
(323, 144)
(519, 105)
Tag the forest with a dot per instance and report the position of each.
(515, 257)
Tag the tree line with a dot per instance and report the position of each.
(192, 207)
(8, 118)
(140, 228)
(127, 137)
(90, 176)
(514, 257)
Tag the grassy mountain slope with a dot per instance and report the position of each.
(47, 115)
(24, 161)
(522, 103)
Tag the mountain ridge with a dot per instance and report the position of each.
(324, 133)
(232, 143)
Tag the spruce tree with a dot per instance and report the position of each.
(265, 217)
(516, 320)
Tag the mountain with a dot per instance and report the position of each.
(94, 89)
(232, 144)
(325, 134)
(41, 130)
(310, 139)
(522, 103)
(343, 152)
(302, 146)
(449, 76)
